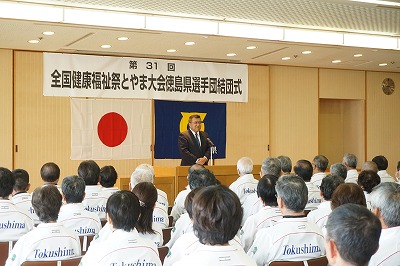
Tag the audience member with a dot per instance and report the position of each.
(73, 214)
(14, 222)
(246, 184)
(217, 215)
(350, 161)
(367, 180)
(382, 164)
(50, 240)
(95, 201)
(319, 164)
(304, 169)
(385, 202)
(108, 178)
(338, 169)
(397, 176)
(369, 166)
(292, 238)
(328, 186)
(348, 193)
(352, 236)
(124, 246)
(50, 174)
(286, 164)
(267, 216)
(21, 198)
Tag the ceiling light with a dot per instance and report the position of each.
(371, 41)
(231, 54)
(313, 36)
(31, 12)
(357, 55)
(33, 41)
(171, 50)
(336, 61)
(189, 43)
(383, 64)
(251, 47)
(123, 38)
(48, 33)
(380, 2)
(105, 46)
(286, 58)
(185, 25)
(306, 52)
(250, 31)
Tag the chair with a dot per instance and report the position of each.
(162, 253)
(103, 222)
(166, 234)
(69, 262)
(5, 249)
(85, 242)
(169, 210)
(321, 261)
(170, 220)
(286, 263)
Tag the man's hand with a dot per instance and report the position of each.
(201, 160)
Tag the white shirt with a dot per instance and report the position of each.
(14, 222)
(216, 256)
(48, 241)
(95, 201)
(24, 201)
(251, 206)
(320, 215)
(75, 217)
(244, 186)
(314, 197)
(179, 204)
(182, 226)
(289, 239)
(352, 176)
(266, 217)
(162, 199)
(160, 216)
(388, 253)
(108, 191)
(187, 244)
(122, 248)
(368, 200)
(316, 179)
(385, 177)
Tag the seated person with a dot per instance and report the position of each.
(319, 163)
(382, 164)
(352, 235)
(108, 178)
(292, 238)
(327, 187)
(348, 193)
(50, 174)
(95, 200)
(21, 198)
(264, 218)
(14, 222)
(385, 202)
(304, 169)
(49, 240)
(367, 180)
(73, 214)
(124, 246)
(217, 216)
(246, 184)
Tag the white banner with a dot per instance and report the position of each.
(107, 129)
(72, 75)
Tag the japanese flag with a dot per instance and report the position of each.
(110, 129)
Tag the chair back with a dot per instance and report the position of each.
(85, 242)
(5, 250)
(68, 262)
(167, 234)
(162, 253)
(321, 261)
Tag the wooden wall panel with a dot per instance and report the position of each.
(382, 119)
(6, 108)
(341, 84)
(294, 112)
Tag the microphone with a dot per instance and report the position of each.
(210, 142)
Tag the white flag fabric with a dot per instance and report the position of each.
(110, 129)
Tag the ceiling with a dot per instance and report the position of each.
(332, 15)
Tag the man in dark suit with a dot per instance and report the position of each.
(193, 143)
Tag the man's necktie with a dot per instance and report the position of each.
(197, 139)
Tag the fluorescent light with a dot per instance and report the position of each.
(184, 25)
(48, 33)
(105, 46)
(358, 55)
(286, 58)
(103, 18)
(33, 41)
(171, 50)
(336, 61)
(383, 64)
(250, 31)
(306, 52)
(231, 54)
(313, 36)
(189, 43)
(122, 38)
(371, 41)
(378, 2)
(31, 12)
(251, 47)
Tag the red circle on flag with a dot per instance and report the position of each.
(112, 129)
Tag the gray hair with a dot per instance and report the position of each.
(386, 198)
(350, 160)
(245, 165)
(339, 169)
(321, 162)
(142, 173)
(73, 188)
(286, 163)
(293, 191)
(370, 166)
(271, 166)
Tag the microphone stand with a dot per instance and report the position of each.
(213, 150)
